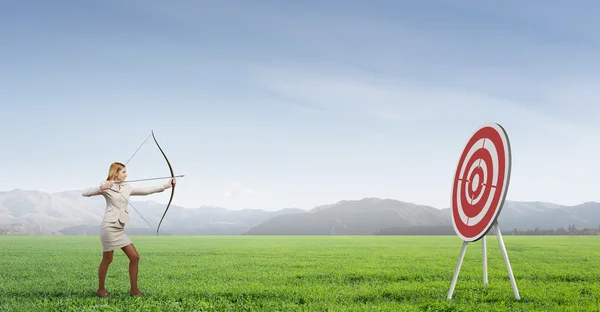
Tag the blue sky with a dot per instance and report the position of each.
(273, 104)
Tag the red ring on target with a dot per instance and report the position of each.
(481, 182)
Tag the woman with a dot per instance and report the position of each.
(116, 215)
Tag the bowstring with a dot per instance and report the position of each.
(120, 183)
(138, 149)
(136, 211)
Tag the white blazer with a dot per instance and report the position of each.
(116, 200)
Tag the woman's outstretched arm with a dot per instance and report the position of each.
(141, 191)
(96, 190)
(91, 191)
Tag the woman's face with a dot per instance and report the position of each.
(122, 175)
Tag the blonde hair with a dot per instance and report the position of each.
(115, 168)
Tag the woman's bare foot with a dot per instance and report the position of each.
(102, 293)
(135, 292)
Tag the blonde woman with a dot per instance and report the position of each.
(116, 215)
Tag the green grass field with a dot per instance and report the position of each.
(323, 273)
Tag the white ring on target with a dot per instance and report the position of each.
(489, 145)
(483, 166)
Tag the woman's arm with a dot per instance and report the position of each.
(96, 190)
(141, 191)
(92, 191)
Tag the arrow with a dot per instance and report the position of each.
(148, 179)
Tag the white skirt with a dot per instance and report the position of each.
(112, 236)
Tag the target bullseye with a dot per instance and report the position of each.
(476, 183)
(480, 182)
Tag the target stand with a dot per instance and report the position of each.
(478, 193)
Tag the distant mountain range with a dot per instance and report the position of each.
(28, 212)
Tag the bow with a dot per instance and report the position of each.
(172, 176)
(172, 184)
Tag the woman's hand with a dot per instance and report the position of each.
(106, 186)
(171, 183)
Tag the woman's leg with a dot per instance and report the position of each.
(134, 259)
(107, 257)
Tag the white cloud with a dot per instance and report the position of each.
(557, 104)
(376, 95)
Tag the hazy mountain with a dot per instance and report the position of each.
(542, 215)
(362, 217)
(34, 212)
(69, 213)
(386, 216)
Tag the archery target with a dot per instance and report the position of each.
(481, 182)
